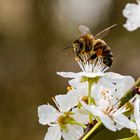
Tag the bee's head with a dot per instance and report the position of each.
(78, 46)
(87, 37)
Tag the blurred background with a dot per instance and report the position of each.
(33, 34)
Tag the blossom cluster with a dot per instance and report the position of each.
(93, 99)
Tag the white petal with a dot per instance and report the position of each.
(92, 109)
(123, 83)
(137, 114)
(54, 133)
(106, 120)
(66, 102)
(126, 81)
(81, 115)
(68, 74)
(47, 114)
(113, 75)
(75, 81)
(74, 132)
(71, 99)
(129, 9)
(130, 26)
(77, 84)
(119, 127)
(121, 110)
(88, 107)
(81, 90)
(106, 82)
(124, 121)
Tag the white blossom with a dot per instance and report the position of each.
(109, 80)
(112, 82)
(93, 94)
(71, 100)
(107, 94)
(62, 122)
(132, 13)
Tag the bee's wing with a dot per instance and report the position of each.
(104, 33)
(84, 30)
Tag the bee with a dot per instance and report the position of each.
(89, 47)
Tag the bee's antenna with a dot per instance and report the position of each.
(66, 48)
(105, 31)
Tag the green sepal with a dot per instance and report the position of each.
(92, 80)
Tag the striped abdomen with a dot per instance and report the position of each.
(101, 49)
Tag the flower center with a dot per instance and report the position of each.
(93, 66)
(85, 99)
(69, 88)
(65, 119)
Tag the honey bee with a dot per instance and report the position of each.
(89, 47)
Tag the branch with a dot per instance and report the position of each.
(89, 129)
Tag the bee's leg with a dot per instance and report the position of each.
(79, 57)
(92, 57)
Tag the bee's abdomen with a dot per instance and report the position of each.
(108, 56)
(103, 50)
(108, 61)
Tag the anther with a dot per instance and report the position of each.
(69, 88)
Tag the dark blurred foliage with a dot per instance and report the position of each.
(32, 36)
